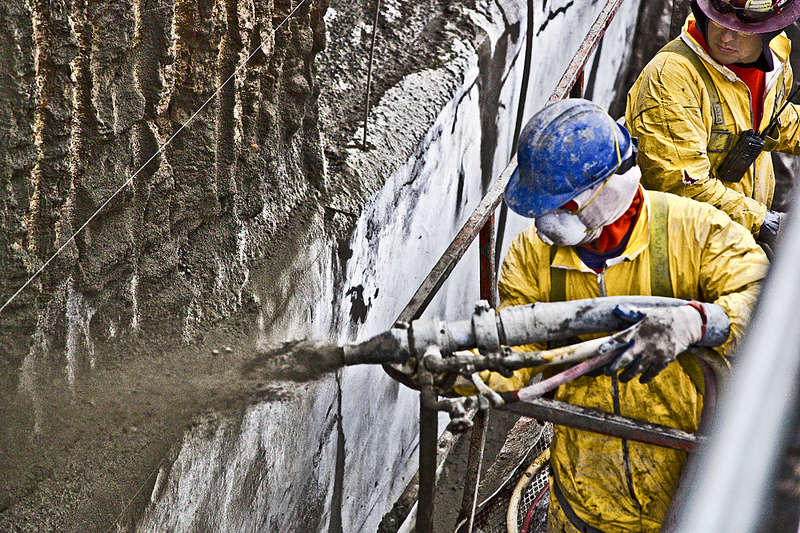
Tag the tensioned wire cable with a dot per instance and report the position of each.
(161, 149)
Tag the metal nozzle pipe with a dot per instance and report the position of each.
(391, 346)
(515, 326)
(539, 322)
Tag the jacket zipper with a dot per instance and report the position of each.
(763, 105)
(601, 282)
(750, 100)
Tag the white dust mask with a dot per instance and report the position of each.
(598, 206)
(562, 228)
(607, 201)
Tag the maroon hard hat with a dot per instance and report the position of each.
(752, 16)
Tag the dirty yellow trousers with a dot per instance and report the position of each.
(557, 521)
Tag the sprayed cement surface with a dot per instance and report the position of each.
(87, 423)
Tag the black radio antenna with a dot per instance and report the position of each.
(778, 114)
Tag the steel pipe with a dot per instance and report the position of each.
(575, 416)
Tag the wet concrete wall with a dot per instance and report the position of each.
(88, 92)
(267, 213)
(359, 435)
(438, 143)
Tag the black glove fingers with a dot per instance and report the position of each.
(630, 370)
(649, 375)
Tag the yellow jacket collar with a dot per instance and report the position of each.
(566, 257)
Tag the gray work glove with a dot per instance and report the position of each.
(661, 335)
(770, 228)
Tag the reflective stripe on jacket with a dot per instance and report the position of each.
(613, 484)
(669, 111)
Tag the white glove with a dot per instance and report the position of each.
(661, 334)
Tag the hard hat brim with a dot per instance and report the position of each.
(527, 203)
(730, 21)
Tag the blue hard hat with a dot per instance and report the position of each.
(566, 148)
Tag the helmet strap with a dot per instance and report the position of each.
(592, 199)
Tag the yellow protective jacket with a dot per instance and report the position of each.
(613, 484)
(680, 149)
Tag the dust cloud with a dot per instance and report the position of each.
(113, 427)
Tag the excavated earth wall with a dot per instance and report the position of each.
(263, 220)
(92, 90)
(89, 92)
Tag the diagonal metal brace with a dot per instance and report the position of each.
(565, 414)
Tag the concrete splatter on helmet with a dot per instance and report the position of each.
(752, 16)
(566, 148)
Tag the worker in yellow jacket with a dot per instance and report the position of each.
(597, 232)
(692, 107)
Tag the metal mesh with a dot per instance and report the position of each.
(529, 494)
(491, 514)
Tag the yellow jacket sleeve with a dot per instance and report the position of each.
(789, 134)
(732, 267)
(789, 139)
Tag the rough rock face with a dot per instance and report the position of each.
(17, 159)
(91, 91)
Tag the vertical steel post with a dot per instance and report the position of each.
(427, 462)
(477, 443)
(487, 258)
